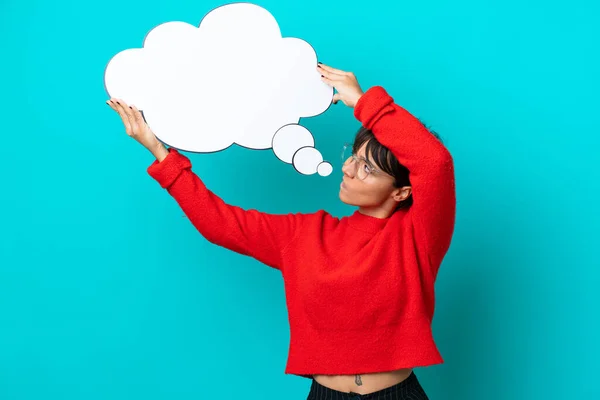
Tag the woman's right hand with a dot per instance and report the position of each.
(137, 128)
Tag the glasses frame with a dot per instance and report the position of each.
(356, 159)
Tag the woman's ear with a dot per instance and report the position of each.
(402, 193)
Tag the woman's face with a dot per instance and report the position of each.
(375, 190)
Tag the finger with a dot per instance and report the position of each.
(116, 105)
(336, 98)
(110, 104)
(333, 70)
(139, 117)
(119, 106)
(137, 114)
(129, 111)
(123, 115)
(328, 81)
(331, 75)
(132, 119)
(113, 104)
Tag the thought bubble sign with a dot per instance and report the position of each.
(231, 80)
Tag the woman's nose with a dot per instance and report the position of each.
(348, 169)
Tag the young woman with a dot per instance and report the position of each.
(359, 289)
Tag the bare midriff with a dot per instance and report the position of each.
(363, 383)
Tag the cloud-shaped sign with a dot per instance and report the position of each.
(232, 80)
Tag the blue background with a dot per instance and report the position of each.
(107, 292)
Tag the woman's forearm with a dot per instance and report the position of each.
(159, 151)
(249, 232)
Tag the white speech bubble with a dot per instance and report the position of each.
(232, 80)
(307, 161)
(289, 139)
(324, 169)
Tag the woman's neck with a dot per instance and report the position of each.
(376, 212)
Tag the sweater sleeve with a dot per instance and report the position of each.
(249, 232)
(430, 165)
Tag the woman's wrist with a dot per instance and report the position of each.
(159, 151)
(357, 98)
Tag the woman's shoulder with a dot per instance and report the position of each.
(316, 218)
(316, 215)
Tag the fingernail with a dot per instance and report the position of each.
(322, 76)
(131, 107)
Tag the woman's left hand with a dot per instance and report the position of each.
(348, 89)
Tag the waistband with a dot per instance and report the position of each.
(318, 391)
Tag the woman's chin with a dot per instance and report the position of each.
(343, 197)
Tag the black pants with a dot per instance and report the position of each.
(408, 389)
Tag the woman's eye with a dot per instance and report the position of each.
(367, 168)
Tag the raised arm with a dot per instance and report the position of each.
(430, 165)
(259, 235)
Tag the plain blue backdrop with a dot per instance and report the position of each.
(107, 292)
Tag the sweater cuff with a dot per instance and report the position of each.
(168, 170)
(370, 104)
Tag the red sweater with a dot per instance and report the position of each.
(359, 290)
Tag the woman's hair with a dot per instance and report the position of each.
(385, 160)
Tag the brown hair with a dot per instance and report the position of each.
(384, 159)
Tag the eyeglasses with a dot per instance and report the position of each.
(362, 167)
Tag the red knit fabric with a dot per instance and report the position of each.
(359, 289)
